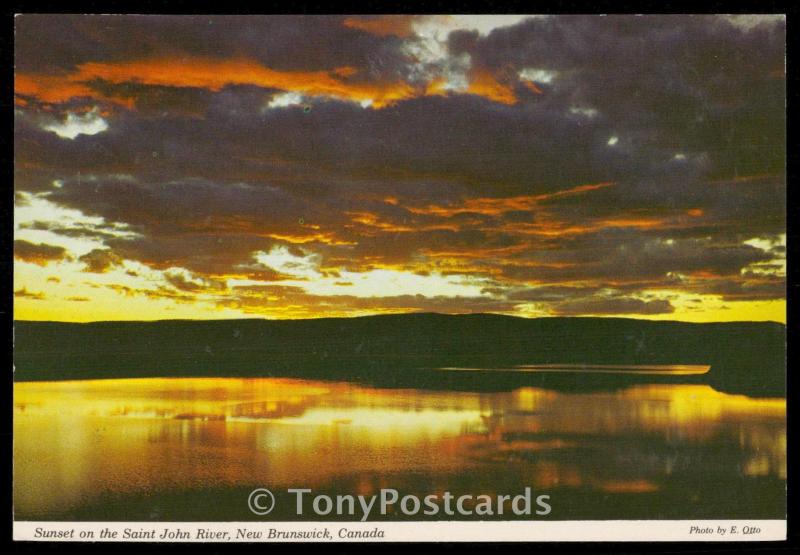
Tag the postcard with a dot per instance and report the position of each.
(399, 278)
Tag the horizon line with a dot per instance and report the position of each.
(426, 313)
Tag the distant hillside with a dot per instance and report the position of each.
(397, 350)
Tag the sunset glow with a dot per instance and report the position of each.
(298, 167)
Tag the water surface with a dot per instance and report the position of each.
(192, 449)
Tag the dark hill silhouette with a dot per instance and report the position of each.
(400, 350)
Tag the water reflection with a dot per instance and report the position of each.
(78, 443)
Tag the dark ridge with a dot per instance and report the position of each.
(400, 350)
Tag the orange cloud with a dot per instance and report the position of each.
(211, 74)
(470, 253)
(640, 223)
(50, 88)
(551, 226)
(384, 25)
(326, 238)
(214, 74)
(371, 220)
(532, 87)
(436, 86)
(234, 225)
(498, 206)
(484, 84)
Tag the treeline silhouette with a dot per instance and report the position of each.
(402, 350)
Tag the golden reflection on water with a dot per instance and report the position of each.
(75, 441)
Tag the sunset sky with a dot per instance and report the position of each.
(295, 167)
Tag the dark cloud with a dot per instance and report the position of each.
(464, 141)
(24, 293)
(193, 284)
(694, 84)
(78, 230)
(41, 253)
(157, 101)
(284, 42)
(618, 255)
(747, 287)
(100, 261)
